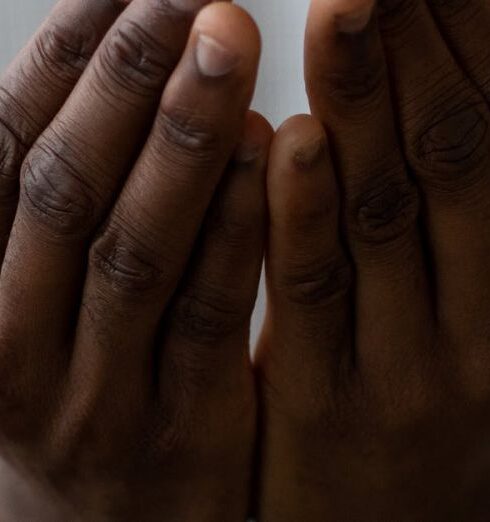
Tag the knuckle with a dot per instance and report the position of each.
(126, 264)
(362, 82)
(204, 314)
(11, 156)
(64, 52)
(187, 132)
(134, 60)
(54, 194)
(450, 151)
(317, 283)
(384, 209)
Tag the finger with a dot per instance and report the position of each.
(309, 281)
(349, 91)
(308, 274)
(140, 256)
(445, 123)
(205, 362)
(464, 25)
(73, 172)
(37, 83)
(215, 299)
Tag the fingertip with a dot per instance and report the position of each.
(232, 29)
(339, 16)
(255, 141)
(300, 175)
(303, 235)
(300, 121)
(341, 40)
(299, 144)
(258, 125)
(245, 180)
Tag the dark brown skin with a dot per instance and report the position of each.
(375, 358)
(126, 391)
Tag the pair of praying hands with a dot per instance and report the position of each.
(138, 197)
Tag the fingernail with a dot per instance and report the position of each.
(356, 19)
(309, 154)
(188, 5)
(213, 58)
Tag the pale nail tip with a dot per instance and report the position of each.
(213, 59)
(189, 5)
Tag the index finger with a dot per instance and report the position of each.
(37, 83)
(71, 177)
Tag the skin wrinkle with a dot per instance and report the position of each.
(127, 387)
(411, 164)
(116, 309)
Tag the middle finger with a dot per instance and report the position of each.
(136, 263)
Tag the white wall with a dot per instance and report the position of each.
(280, 89)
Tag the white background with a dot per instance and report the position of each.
(280, 90)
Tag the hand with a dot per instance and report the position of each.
(125, 386)
(375, 359)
